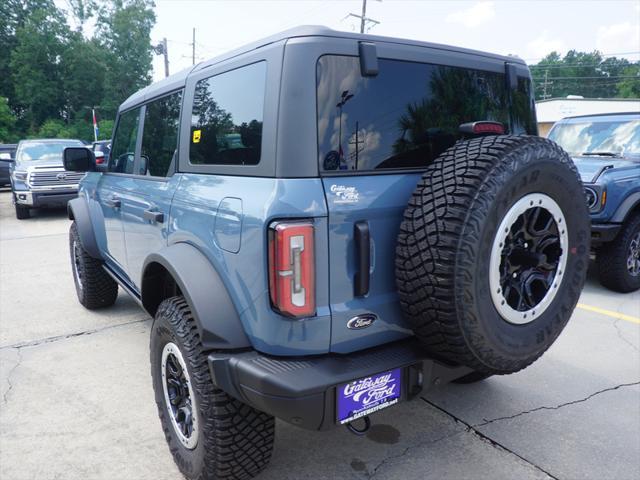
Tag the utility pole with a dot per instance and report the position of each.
(166, 56)
(193, 45)
(161, 49)
(357, 142)
(545, 84)
(364, 20)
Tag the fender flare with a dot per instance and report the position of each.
(78, 211)
(215, 315)
(629, 203)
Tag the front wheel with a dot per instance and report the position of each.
(22, 212)
(210, 434)
(618, 262)
(94, 287)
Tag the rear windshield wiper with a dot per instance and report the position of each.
(602, 154)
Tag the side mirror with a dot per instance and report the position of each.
(79, 159)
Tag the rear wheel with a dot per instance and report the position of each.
(493, 252)
(22, 212)
(618, 262)
(210, 434)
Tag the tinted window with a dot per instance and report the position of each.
(124, 142)
(405, 116)
(160, 136)
(226, 122)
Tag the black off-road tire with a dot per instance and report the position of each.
(22, 212)
(94, 286)
(445, 244)
(611, 259)
(234, 440)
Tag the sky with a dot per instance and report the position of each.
(527, 28)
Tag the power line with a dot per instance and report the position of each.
(585, 65)
(601, 54)
(603, 77)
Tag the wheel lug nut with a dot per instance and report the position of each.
(515, 275)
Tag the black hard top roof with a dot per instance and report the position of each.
(177, 80)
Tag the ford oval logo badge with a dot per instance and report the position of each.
(361, 321)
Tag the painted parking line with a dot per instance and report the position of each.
(609, 313)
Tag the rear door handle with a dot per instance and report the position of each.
(153, 216)
(363, 258)
(113, 202)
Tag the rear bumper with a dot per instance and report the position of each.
(48, 198)
(303, 390)
(603, 233)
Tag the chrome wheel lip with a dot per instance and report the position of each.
(191, 441)
(508, 313)
(75, 263)
(633, 257)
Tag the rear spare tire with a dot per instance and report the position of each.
(493, 251)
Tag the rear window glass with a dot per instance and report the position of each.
(226, 122)
(408, 114)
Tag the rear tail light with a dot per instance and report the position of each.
(482, 128)
(292, 268)
(99, 158)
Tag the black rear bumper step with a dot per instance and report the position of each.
(302, 390)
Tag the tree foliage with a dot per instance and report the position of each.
(52, 73)
(590, 75)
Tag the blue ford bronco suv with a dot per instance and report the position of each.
(606, 151)
(322, 224)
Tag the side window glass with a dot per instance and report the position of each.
(124, 142)
(226, 122)
(160, 136)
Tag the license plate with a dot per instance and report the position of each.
(367, 395)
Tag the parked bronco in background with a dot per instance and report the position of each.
(38, 178)
(384, 219)
(606, 150)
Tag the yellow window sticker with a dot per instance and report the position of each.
(196, 136)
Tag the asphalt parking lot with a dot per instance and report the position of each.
(77, 401)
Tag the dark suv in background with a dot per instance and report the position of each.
(7, 154)
(606, 150)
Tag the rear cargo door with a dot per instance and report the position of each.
(376, 135)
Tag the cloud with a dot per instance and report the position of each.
(620, 37)
(473, 16)
(543, 45)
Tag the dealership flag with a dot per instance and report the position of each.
(95, 125)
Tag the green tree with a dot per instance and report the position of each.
(83, 68)
(582, 73)
(35, 66)
(7, 122)
(53, 128)
(124, 28)
(630, 87)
